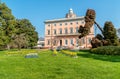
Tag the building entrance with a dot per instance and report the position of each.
(60, 42)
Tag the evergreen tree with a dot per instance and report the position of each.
(7, 24)
(110, 33)
(118, 32)
(24, 26)
(20, 33)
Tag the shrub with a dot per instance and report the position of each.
(106, 50)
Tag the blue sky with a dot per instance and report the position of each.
(37, 11)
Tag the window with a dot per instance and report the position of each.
(60, 31)
(48, 42)
(54, 24)
(61, 24)
(83, 41)
(65, 23)
(77, 29)
(66, 30)
(82, 22)
(55, 31)
(71, 30)
(76, 22)
(71, 23)
(89, 40)
(54, 43)
(77, 41)
(71, 41)
(48, 32)
(49, 25)
(66, 42)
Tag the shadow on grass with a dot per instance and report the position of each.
(87, 54)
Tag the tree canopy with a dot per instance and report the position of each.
(12, 29)
(118, 32)
(108, 37)
(89, 21)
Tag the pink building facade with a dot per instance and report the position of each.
(64, 32)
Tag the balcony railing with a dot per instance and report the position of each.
(67, 34)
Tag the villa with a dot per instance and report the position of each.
(64, 32)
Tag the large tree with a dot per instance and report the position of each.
(12, 29)
(109, 36)
(7, 22)
(110, 33)
(118, 32)
(89, 21)
(25, 27)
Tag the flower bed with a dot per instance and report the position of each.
(23, 52)
(55, 52)
(69, 53)
(31, 55)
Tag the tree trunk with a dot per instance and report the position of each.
(8, 47)
(99, 27)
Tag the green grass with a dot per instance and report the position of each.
(47, 66)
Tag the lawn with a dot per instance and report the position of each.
(47, 66)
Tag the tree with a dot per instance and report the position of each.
(97, 41)
(3, 38)
(110, 33)
(25, 26)
(13, 32)
(20, 41)
(89, 21)
(7, 21)
(118, 32)
(109, 36)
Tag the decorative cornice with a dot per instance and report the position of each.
(64, 19)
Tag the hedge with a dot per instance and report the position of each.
(106, 50)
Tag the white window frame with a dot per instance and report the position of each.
(66, 42)
(71, 41)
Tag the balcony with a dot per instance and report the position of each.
(68, 34)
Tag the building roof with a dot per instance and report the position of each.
(64, 19)
(70, 16)
(41, 39)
